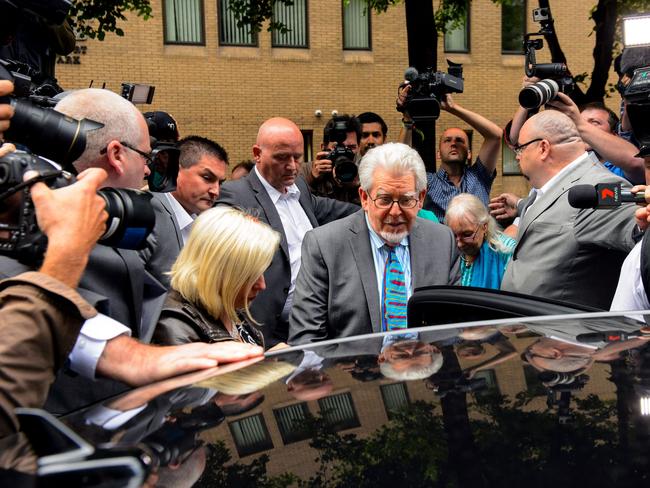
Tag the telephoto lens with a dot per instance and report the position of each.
(130, 218)
(538, 94)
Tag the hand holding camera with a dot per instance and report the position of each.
(6, 110)
(321, 166)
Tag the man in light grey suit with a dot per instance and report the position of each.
(203, 167)
(340, 287)
(563, 252)
(274, 193)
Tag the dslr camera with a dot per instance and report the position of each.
(343, 159)
(556, 76)
(428, 88)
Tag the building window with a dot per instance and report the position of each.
(183, 21)
(457, 38)
(513, 27)
(510, 163)
(356, 25)
(308, 138)
(395, 397)
(491, 385)
(291, 422)
(250, 435)
(294, 17)
(229, 33)
(534, 385)
(338, 411)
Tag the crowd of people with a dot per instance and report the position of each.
(279, 251)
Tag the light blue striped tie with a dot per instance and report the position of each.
(393, 315)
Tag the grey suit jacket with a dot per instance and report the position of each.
(249, 194)
(567, 253)
(336, 291)
(165, 241)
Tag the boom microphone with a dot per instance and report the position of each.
(603, 195)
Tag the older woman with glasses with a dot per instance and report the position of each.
(216, 276)
(485, 252)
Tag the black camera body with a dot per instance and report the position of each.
(343, 159)
(556, 77)
(637, 98)
(130, 215)
(428, 88)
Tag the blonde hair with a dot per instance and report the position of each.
(227, 251)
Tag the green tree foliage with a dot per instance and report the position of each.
(94, 18)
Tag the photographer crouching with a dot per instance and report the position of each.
(333, 174)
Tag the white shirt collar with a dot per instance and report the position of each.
(549, 184)
(292, 192)
(183, 218)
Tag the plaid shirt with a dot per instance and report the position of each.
(441, 190)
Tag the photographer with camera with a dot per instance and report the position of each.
(333, 174)
(115, 281)
(456, 174)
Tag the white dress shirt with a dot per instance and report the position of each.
(184, 219)
(295, 224)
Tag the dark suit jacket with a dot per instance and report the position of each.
(249, 194)
(336, 291)
(165, 241)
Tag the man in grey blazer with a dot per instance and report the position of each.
(563, 252)
(203, 167)
(340, 287)
(274, 193)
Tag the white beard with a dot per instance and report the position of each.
(393, 237)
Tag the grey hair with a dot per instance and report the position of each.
(395, 158)
(554, 126)
(468, 207)
(120, 117)
(419, 373)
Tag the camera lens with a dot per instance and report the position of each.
(47, 132)
(538, 94)
(346, 171)
(130, 218)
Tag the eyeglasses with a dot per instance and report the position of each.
(519, 148)
(468, 237)
(146, 156)
(385, 202)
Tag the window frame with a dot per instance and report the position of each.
(369, 16)
(296, 436)
(383, 389)
(306, 45)
(166, 41)
(247, 452)
(468, 35)
(220, 9)
(352, 423)
(523, 29)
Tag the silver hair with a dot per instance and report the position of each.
(554, 126)
(120, 117)
(396, 158)
(468, 207)
(418, 373)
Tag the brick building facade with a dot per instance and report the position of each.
(225, 91)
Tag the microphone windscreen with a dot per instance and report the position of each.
(583, 196)
(411, 74)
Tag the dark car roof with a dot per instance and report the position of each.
(333, 414)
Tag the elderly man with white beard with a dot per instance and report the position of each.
(358, 273)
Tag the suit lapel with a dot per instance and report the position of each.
(267, 206)
(360, 245)
(305, 201)
(135, 270)
(419, 249)
(541, 204)
(165, 203)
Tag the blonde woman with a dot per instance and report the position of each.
(216, 276)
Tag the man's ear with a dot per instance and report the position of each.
(257, 151)
(364, 198)
(421, 198)
(469, 157)
(115, 155)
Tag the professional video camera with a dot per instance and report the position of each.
(556, 75)
(130, 214)
(343, 165)
(637, 98)
(428, 88)
(53, 11)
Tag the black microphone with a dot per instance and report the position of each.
(603, 195)
(411, 74)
